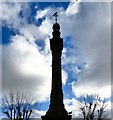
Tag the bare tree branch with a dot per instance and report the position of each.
(18, 105)
(91, 106)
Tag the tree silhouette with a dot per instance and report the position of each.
(92, 107)
(18, 106)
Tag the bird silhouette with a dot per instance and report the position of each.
(70, 112)
(55, 14)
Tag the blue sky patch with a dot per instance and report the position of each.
(44, 5)
(6, 34)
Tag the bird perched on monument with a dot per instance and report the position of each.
(70, 112)
(55, 14)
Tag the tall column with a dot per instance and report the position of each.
(56, 45)
(56, 110)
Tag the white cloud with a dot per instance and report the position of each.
(33, 33)
(72, 8)
(64, 77)
(10, 13)
(38, 113)
(36, 74)
(29, 68)
(74, 106)
(91, 89)
(90, 31)
(46, 27)
(41, 13)
(71, 105)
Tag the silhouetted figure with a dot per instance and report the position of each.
(56, 110)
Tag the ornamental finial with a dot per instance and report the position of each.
(55, 15)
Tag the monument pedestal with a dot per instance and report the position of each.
(56, 110)
(56, 117)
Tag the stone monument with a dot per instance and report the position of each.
(56, 110)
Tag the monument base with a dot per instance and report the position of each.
(57, 117)
(56, 111)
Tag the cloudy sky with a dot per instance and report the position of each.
(86, 58)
